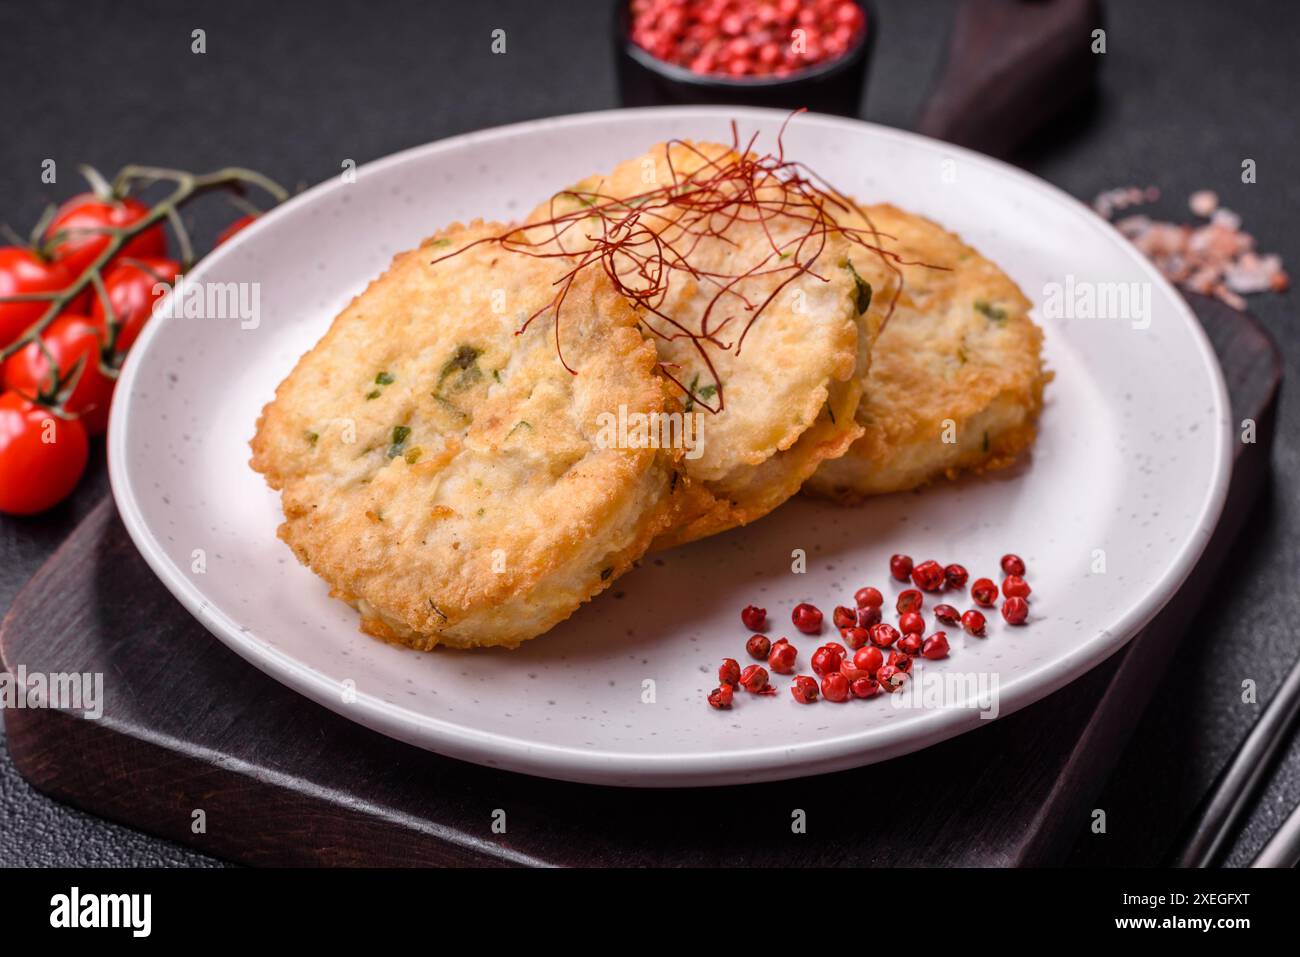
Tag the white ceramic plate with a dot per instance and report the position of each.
(1130, 470)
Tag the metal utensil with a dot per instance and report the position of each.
(1283, 848)
(1242, 778)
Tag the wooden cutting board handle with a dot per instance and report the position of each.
(1013, 65)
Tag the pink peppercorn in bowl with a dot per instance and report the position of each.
(778, 53)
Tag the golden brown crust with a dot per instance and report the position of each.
(789, 390)
(956, 381)
(753, 493)
(450, 478)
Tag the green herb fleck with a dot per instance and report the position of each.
(398, 445)
(440, 242)
(703, 392)
(372, 394)
(480, 512)
(413, 455)
(463, 365)
(384, 378)
(994, 313)
(521, 424)
(961, 355)
(496, 375)
(312, 437)
(450, 406)
(862, 289)
(462, 358)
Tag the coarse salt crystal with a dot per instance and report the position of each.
(1231, 298)
(1204, 202)
(1248, 279)
(1134, 225)
(1214, 258)
(1226, 218)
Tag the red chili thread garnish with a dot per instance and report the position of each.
(641, 241)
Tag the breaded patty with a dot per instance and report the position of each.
(956, 379)
(789, 387)
(451, 479)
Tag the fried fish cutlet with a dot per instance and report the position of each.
(448, 477)
(793, 383)
(956, 380)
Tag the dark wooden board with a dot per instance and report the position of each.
(188, 725)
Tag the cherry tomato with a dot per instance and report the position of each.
(23, 273)
(242, 222)
(42, 456)
(88, 212)
(131, 290)
(68, 339)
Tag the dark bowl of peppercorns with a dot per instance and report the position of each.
(778, 53)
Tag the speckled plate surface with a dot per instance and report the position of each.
(1121, 494)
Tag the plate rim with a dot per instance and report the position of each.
(624, 768)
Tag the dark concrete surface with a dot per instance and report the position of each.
(1188, 89)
